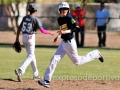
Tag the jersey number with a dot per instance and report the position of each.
(26, 27)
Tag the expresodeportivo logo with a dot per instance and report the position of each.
(86, 77)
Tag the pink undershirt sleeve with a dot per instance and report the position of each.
(44, 31)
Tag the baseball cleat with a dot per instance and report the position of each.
(36, 77)
(101, 58)
(44, 83)
(19, 75)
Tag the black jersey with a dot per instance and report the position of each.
(30, 24)
(66, 23)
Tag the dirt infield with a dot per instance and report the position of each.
(113, 41)
(60, 85)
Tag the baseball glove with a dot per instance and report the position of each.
(17, 47)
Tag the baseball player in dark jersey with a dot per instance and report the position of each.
(29, 25)
(68, 45)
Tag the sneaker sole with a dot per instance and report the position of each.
(18, 77)
(47, 86)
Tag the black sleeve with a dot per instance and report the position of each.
(75, 29)
(74, 26)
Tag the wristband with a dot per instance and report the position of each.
(59, 36)
(68, 31)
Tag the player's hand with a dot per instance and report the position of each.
(52, 33)
(55, 40)
(61, 32)
(105, 24)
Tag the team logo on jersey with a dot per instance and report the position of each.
(63, 27)
(73, 21)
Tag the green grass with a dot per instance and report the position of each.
(10, 60)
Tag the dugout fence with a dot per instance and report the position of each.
(48, 13)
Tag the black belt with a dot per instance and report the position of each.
(66, 40)
(28, 33)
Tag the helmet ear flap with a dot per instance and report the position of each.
(69, 11)
(58, 11)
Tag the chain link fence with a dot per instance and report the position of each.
(48, 14)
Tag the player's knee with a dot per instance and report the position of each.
(31, 56)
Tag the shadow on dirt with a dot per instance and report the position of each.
(8, 79)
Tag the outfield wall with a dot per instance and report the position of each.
(48, 14)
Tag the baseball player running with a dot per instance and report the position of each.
(29, 25)
(68, 45)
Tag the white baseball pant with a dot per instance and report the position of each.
(29, 43)
(69, 48)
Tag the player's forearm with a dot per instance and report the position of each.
(18, 33)
(69, 30)
(44, 31)
(84, 5)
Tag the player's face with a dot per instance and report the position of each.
(64, 11)
(102, 6)
(77, 8)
